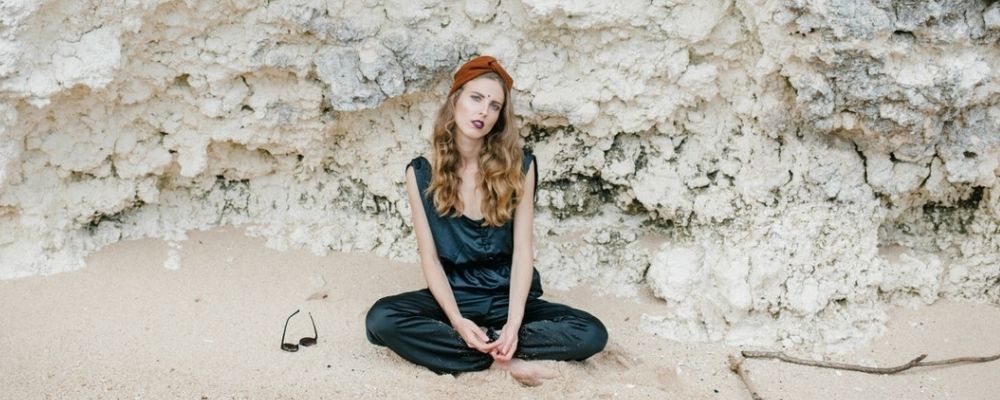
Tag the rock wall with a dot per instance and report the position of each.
(777, 171)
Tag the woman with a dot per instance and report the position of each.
(473, 209)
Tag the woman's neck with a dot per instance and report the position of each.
(468, 151)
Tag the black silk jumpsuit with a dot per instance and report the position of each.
(477, 262)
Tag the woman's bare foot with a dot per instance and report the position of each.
(526, 372)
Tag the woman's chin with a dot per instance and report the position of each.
(475, 135)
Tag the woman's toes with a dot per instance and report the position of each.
(525, 379)
(547, 373)
(531, 374)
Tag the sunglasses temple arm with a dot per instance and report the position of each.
(286, 326)
(315, 333)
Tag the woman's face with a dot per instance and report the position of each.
(478, 107)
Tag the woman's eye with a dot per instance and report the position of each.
(496, 107)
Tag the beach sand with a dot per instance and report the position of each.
(126, 327)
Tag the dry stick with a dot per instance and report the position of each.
(960, 360)
(916, 362)
(736, 365)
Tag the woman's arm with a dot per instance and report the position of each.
(524, 257)
(437, 282)
(521, 269)
(429, 262)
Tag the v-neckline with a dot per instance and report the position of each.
(473, 220)
(466, 217)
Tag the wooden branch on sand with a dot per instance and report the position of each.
(736, 365)
(916, 362)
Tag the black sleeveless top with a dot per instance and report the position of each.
(474, 257)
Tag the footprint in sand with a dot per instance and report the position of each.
(615, 354)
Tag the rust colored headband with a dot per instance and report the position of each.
(478, 66)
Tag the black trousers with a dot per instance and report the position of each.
(414, 326)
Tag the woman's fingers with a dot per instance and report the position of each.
(481, 341)
(481, 335)
(509, 338)
(504, 346)
(483, 347)
(499, 355)
(484, 340)
(489, 347)
(476, 338)
(510, 347)
(473, 342)
(470, 337)
(473, 335)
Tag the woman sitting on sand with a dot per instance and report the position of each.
(473, 209)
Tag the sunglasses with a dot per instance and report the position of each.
(305, 342)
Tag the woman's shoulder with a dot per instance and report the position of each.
(421, 171)
(529, 156)
(419, 162)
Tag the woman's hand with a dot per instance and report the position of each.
(506, 345)
(474, 336)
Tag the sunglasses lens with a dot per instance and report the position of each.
(290, 347)
(307, 341)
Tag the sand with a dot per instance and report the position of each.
(126, 327)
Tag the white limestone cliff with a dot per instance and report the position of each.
(779, 172)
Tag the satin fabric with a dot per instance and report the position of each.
(414, 326)
(477, 262)
(474, 257)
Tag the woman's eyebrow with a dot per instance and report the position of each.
(491, 101)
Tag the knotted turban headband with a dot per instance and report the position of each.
(478, 66)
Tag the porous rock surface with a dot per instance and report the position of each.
(778, 171)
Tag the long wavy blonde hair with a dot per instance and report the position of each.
(500, 176)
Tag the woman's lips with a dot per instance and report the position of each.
(478, 124)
